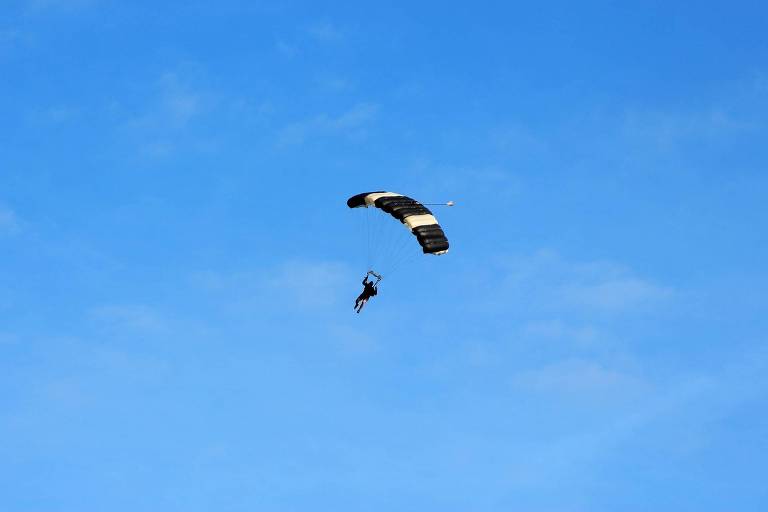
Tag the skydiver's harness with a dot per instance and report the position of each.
(372, 285)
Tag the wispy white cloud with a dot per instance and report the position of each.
(559, 330)
(287, 49)
(615, 293)
(760, 83)
(320, 32)
(641, 137)
(171, 108)
(65, 393)
(325, 31)
(519, 138)
(672, 416)
(353, 118)
(466, 180)
(300, 284)
(173, 116)
(43, 5)
(544, 281)
(158, 149)
(354, 340)
(581, 379)
(334, 83)
(351, 123)
(91, 379)
(135, 317)
(7, 338)
(686, 409)
(9, 221)
(646, 138)
(664, 130)
(573, 314)
(177, 103)
(179, 100)
(55, 115)
(9, 35)
(309, 284)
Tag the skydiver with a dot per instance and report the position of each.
(369, 290)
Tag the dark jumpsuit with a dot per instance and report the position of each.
(369, 291)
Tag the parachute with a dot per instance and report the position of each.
(414, 215)
(389, 246)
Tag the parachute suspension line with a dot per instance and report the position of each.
(407, 257)
(403, 246)
(399, 266)
(368, 238)
(375, 237)
(385, 240)
(393, 239)
(380, 230)
(402, 249)
(389, 237)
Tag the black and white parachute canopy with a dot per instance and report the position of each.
(414, 215)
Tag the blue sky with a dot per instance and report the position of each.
(178, 265)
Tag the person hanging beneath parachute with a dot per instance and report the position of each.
(369, 290)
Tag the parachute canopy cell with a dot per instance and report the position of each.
(414, 215)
